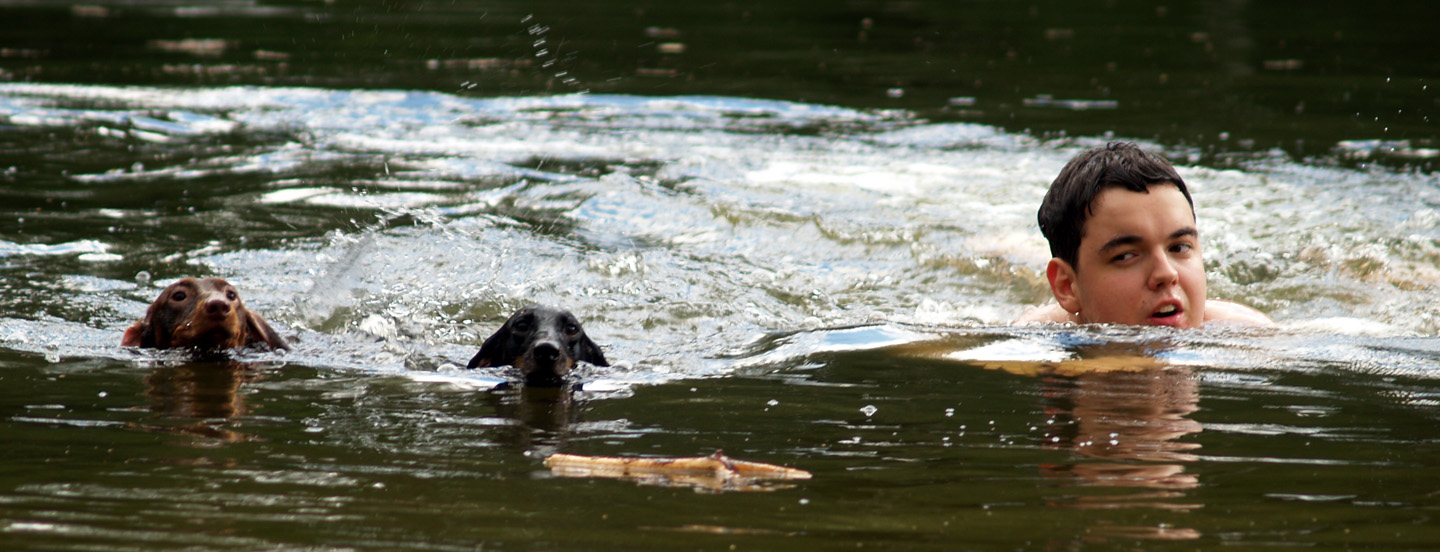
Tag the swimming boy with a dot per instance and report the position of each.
(1121, 227)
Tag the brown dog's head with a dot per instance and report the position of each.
(203, 314)
(544, 343)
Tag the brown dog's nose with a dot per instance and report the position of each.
(217, 307)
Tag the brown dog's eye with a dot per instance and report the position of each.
(231, 295)
(177, 296)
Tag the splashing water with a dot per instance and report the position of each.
(393, 230)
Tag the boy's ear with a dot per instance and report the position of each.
(1064, 284)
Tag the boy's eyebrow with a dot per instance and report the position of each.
(1186, 232)
(1131, 239)
(1120, 241)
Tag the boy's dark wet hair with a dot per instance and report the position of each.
(1067, 205)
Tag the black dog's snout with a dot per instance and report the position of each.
(546, 352)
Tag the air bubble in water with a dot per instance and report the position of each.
(869, 410)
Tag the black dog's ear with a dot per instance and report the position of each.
(492, 352)
(590, 352)
(257, 330)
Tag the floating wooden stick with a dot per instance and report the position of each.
(714, 472)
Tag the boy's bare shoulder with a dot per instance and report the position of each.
(1051, 313)
(1215, 311)
(1225, 311)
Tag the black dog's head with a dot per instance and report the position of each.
(543, 342)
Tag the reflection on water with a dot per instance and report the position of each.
(199, 389)
(202, 396)
(541, 419)
(1129, 425)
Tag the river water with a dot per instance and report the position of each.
(798, 231)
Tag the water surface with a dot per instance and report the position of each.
(800, 236)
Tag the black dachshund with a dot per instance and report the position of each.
(544, 343)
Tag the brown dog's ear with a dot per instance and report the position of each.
(134, 335)
(258, 331)
(144, 333)
(492, 352)
(590, 352)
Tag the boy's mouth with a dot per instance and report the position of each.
(1167, 314)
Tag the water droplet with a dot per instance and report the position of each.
(869, 410)
(772, 402)
(143, 278)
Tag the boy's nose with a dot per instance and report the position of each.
(1163, 273)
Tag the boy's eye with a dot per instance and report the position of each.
(1123, 257)
(1181, 248)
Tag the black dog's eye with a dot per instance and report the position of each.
(522, 326)
(177, 296)
(231, 295)
(571, 329)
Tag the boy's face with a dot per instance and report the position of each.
(1139, 262)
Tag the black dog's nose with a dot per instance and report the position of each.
(546, 353)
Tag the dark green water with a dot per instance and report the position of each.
(799, 228)
(1227, 76)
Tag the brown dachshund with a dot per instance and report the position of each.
(544, 343)
(203, 314)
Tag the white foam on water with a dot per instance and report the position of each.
(680, 228)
